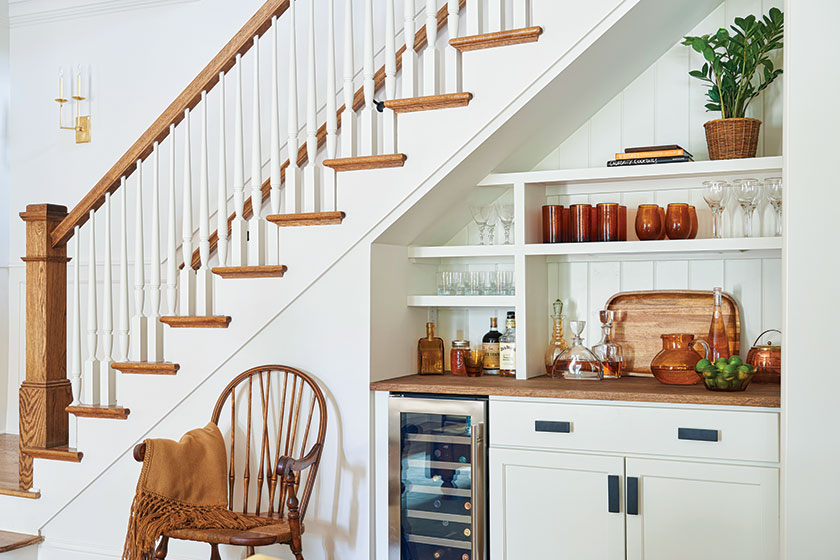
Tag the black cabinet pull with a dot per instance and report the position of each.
(613, 498)
(632, 495)
(557, 427)
(694, 434)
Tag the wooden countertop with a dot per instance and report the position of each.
(633, 389)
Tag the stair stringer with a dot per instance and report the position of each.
(449, 152)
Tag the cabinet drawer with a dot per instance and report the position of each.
(683, 432)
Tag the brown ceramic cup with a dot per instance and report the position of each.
(695, 225)
(678, 221)
(581, 223)
(608, 222)
(552, 223)
(648, 222)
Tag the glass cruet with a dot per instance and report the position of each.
(557, 344)
(578, 361)
(609, 353)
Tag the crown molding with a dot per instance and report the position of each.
(33, 12)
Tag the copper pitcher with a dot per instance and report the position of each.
(674, 365)
(767, 360)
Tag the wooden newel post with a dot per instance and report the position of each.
(46, 391)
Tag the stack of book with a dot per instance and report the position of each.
(648, 155)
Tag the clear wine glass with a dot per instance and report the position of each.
(506, 217)
(480, 216)
(716, 194)
(773, 189)
(747, 194)
(492, 218)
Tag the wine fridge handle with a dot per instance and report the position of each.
(477, 464)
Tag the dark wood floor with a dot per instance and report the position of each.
(9, 479)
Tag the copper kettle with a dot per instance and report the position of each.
(767, 360)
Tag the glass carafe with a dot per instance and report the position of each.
(718, 339)
(558, 341)
(609, 353)
(578, 361)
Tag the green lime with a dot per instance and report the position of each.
(736, 360)
(742, 375)
(702, 365)
(709, 373)
(721, 363)
(710, 383)
(722, 383)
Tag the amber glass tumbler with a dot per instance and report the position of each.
(678, 221)
(608, 222)
(648, 222)
(552, 223)
(662, 233)
(593, 224)
(622, 223)
(695, 225)
(581, 223)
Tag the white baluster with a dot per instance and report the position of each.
(90, 379)
(431, 56)
(294, 181)
(107, 393)
(521, 14)
(496, 17)
(329, 175)
(239, 227)
(187, 274)
(155, 335)
(221, 212)
(453, 55)
(475, 17)
(273, 233)
(123, 325)
(389, 118)
(311, 177)
(256, 229)
(409, 56)
(348, 115)
(171, 244)
(203, 276)
(76, 324)
(139, 323)
(368, 116)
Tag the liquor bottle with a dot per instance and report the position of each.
(558, 340)
(490, 343)
(610, 354)
(430, 353)
(718, 341)
(507, 347)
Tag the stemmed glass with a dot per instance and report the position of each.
(506, 217)
(773, 188)
(747, 193)
(481, 215)
(492, 218)
(716, 193)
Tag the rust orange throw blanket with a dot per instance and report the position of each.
(183, 484)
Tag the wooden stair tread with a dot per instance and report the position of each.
(17, 492)
(98, 411)
(366, 162)
(429, 102)
(13, 541)
(266, 271)
(307, 219)
(54, 453)
(498, 39)
(212, 322)
(147, 368)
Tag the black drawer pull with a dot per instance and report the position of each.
(557, 427)
(695, 434)
(613, 497)
(632, 495)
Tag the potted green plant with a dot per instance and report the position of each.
(737, 67)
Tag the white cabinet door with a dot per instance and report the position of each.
(697, 511)
(555, 506)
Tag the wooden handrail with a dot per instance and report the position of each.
(420, 41)
(174, 114)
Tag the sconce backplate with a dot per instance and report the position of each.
(83, 130)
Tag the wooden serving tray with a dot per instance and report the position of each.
(642, 317)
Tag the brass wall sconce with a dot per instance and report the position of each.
(81, 124)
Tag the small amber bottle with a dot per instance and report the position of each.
(430, 353)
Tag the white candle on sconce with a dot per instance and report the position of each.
(60, 83)
(79, 81)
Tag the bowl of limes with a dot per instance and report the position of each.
(725, 375)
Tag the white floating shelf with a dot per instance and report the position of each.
(458, 251)
(687, 247)
(462, 301)
(695, 169)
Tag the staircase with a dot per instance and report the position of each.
(154, 337)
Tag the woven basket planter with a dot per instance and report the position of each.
(732, 138)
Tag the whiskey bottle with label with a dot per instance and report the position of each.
(507, 347)
(430, 353)
(490, 344)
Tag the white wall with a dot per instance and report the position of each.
(4, 203)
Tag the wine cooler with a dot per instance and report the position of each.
(437, 486)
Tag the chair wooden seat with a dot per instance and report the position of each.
(258, 536)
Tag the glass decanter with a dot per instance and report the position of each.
(718, 339)
(557, 344)
(609, 353)
(578, 361)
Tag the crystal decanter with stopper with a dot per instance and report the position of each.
(609, 353)
(578, 361)
(558, 341)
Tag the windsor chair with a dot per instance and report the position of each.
(288, 405)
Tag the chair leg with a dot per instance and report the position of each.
(162, 549)
(249, 551)
(214, 552)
